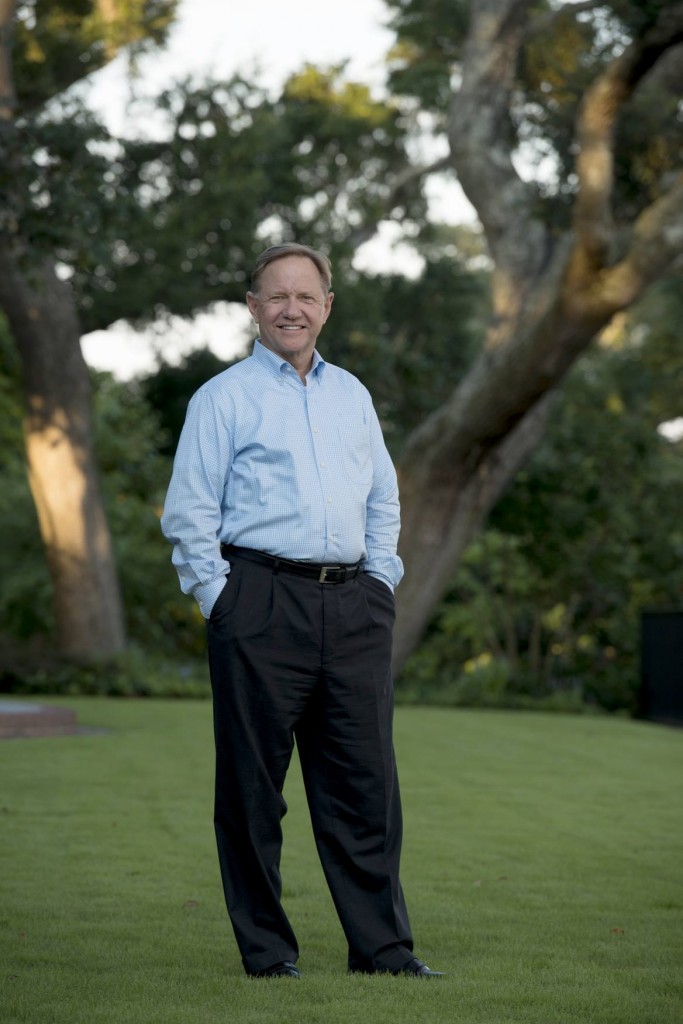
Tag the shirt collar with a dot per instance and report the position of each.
(276, 365)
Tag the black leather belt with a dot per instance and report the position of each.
(321, 572)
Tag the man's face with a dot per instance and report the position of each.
(290, 308)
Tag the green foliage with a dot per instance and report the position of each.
(24, 582)
(58, 43)
(429, 38)
(25, 589)
(136, 673)
(409, 341)
(484, 646)
(149, 226)
(134, 479)
(482, 682)
(50, 180)
(135, 476)
(53, 153)
(10, 403)
(169, 389)
(345, 147)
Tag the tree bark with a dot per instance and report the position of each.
(61, 463)
(442, 511)
(7, 95)
(551, 295)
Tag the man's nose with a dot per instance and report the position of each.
(292, 307)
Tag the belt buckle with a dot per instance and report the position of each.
(322, 578)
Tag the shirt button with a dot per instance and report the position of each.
(315, 430)
(322, 465)
(329, 501)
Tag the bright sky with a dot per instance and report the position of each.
(217, 38)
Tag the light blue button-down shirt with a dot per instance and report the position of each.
(299, 471)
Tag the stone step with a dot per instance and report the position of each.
(23, 719)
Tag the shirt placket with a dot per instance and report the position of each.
(324, 465)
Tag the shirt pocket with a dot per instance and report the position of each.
(354, 440)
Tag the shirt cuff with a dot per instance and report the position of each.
(384, 579)
(207, 594)
(387, 568)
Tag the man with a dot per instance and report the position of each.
(283, 512)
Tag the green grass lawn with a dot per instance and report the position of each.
(543, 868)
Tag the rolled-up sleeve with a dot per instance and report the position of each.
(383, 520)
(192, 515)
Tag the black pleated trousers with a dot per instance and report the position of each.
(294, 659)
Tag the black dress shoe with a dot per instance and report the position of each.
(413, 968)
(416, 969)
(282, 969)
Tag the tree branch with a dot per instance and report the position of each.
(8, 97)
(546, 21)
(656, 244)
(595, 135)
(400, 187)
(482, 140)
(480, 130)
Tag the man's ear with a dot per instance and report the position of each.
(253, 305)
(329, 299)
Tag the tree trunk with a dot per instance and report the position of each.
(552, 293)
(438, 522)
(61, 464)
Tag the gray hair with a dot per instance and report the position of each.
(278, 252)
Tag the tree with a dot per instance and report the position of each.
(565, 259)
(43, 317)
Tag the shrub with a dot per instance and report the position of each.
(483, 682)
(133, 674)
